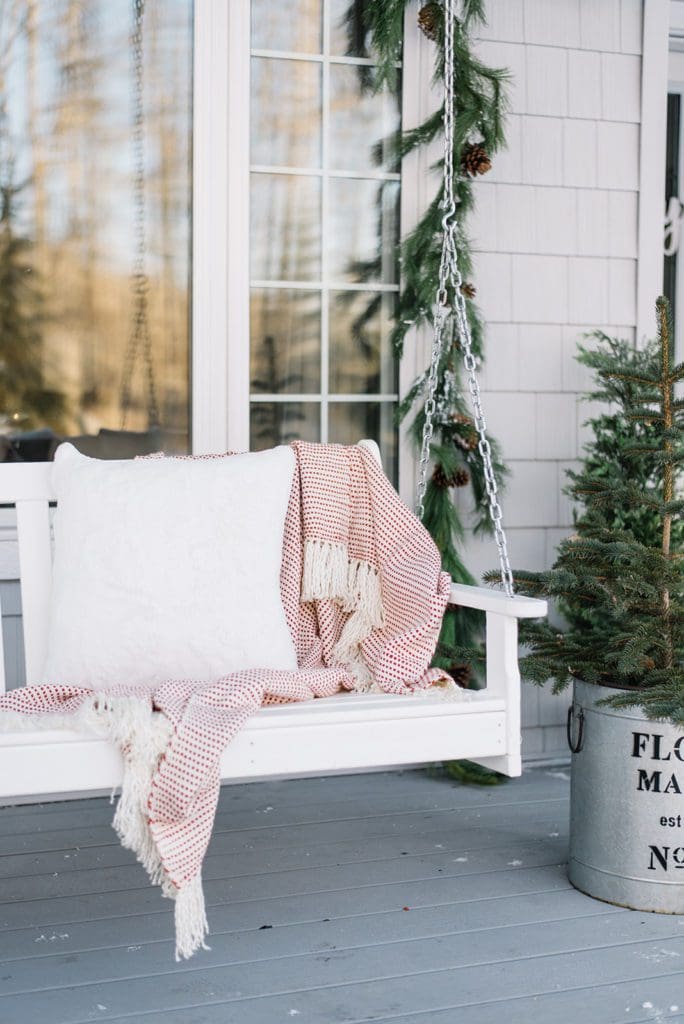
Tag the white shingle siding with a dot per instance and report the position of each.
(555, 231)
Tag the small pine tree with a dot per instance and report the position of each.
(25, 402)
(619, 580)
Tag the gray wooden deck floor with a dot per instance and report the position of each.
(394, 897)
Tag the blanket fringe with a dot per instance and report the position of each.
(330, 574)
(325, 571)
(191, 919)
(142, 735)
(364, 593)
(364, 602)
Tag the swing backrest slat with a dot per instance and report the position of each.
(35, 560)
(27, 487)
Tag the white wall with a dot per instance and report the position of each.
(556, 236)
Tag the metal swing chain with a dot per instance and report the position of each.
(449, 273)
(140, 328)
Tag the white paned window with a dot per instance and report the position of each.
(324, 222)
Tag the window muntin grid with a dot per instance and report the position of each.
(323, 227)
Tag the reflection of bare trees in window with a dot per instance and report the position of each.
(269, 418)
(368, 332)
(77, 112)
(66, 81)
(25, 401)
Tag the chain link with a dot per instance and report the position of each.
(140, 337)
(449, 274)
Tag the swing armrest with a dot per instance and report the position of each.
(503, 675)
(487, 599)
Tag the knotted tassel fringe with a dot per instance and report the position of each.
(330, 574)
(364, 593)
(325, 572)
(142, 735)
(191, 919)
(364, 601)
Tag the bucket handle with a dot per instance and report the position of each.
(575, 745)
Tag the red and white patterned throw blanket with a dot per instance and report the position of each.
(364, 597)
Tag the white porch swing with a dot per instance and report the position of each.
(345, 732)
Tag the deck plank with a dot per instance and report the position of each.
(626, 1002)
(55, 817)
(654, 1000)
(288, 923)
(348, 948)
(281, 837)
(493, 931)
(262, 850)
(389, 977)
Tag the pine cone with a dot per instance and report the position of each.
(441, 479)
(430, 20)
(460, 675)
(469, 290)
(467, 439)
(461, 417)
(475, 160)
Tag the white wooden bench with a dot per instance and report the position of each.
(321, 736)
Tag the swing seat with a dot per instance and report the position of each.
(342, 733)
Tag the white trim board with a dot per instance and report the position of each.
(419, 185)
(215, 288)
(654, 74)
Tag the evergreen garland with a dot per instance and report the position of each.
(619, 580)
(375, 27)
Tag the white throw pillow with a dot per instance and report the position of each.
(168, 568)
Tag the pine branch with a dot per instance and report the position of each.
(375, 28)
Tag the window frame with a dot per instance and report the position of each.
(675, 86)
(220, 386)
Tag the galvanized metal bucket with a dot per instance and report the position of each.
(626, 805)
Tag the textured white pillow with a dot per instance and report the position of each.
(168, 568)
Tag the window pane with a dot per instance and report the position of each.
(360, 121)
(348, 34)
(286, 227)
(350, 422)
(364, 223)
(285, 341)
(85, 354)
(286, 112)
(273, 423)
(361, 361)
(291, 27)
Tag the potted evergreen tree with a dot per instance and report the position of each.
(618, 582)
